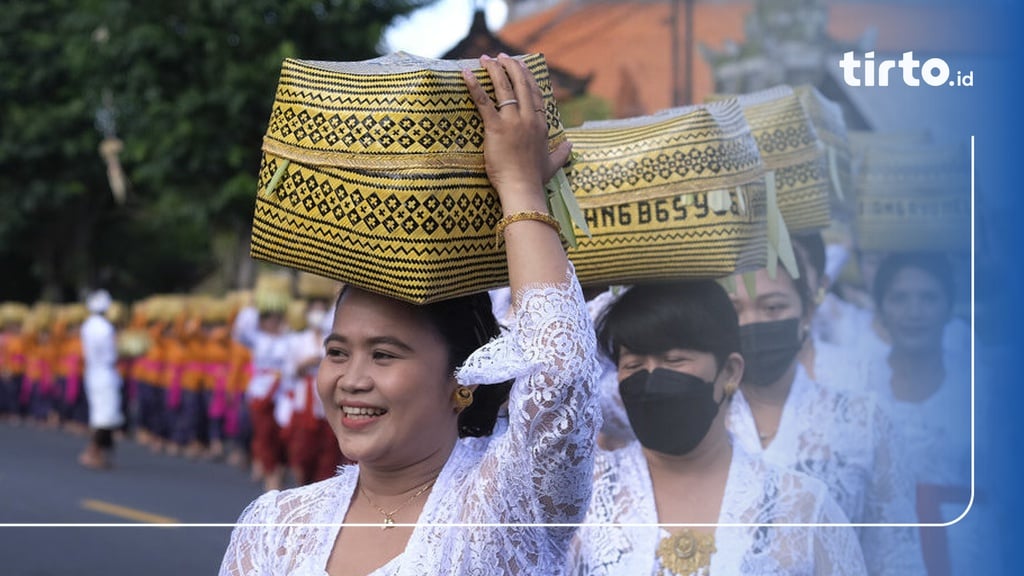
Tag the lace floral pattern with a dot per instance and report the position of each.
(538, 471)
(756, 492)
(838, 368)
(848, 442)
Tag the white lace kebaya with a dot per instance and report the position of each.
(937, 432)
(537, 471)
(756, 492)
(847, 441)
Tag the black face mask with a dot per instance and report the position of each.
(769, 349)
(670, 412)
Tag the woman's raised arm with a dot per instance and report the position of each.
(518, 164)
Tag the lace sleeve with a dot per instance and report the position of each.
(540, 470)
(247, 553)
(890, 499)
(836, 549)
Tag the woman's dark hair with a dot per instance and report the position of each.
(654, 318)
(465, 324)
(801, 284)
(812, 246)
(934, 264)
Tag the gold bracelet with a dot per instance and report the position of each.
(526, 215)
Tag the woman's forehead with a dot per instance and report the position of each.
(916, 277)
(365, 312)
(626, 351)
(765, 286)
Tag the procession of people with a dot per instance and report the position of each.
(503, 357)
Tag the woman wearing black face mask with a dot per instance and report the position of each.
(676, 348)
(844, 439)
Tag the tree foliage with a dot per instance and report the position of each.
(188, 85)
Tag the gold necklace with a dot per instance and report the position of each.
(686, 552)
(389, 520)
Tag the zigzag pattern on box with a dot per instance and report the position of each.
(381, 244)
(366, 272)
(713, 232)
(267, 247)
(430, 93)
(370, 263)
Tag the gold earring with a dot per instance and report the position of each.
(730, 389)
(820, 296)
(463, 397)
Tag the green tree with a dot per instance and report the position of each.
(187, 86)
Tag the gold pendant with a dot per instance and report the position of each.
(389, 522)
(686, 552)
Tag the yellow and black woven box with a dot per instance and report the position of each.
(373, 175)
(791, 148)
(914, 198)
(830, 126)
(679, 196)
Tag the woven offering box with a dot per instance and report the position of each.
(914, 198)
(669, 196)
(373, 175)
(830, 126)
(793, 153)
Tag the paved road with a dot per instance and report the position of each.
(41, 483)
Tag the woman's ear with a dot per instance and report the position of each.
(462, 396)
(732, 374)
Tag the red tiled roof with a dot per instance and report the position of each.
(630, 41)
(623, 40)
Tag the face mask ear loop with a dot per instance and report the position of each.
(806, 334)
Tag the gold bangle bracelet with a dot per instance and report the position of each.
(526, 215)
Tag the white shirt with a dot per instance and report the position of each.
(539, 470)
(269, 362)
(246, 325)
(846, 440)
(102, 380)
(937, 434)
(837, 367)
(302, 346)
(756, 492)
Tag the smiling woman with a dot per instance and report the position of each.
(413, 393)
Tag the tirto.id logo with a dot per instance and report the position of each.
(933, 71)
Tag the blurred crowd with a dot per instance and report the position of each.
(224, 378)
